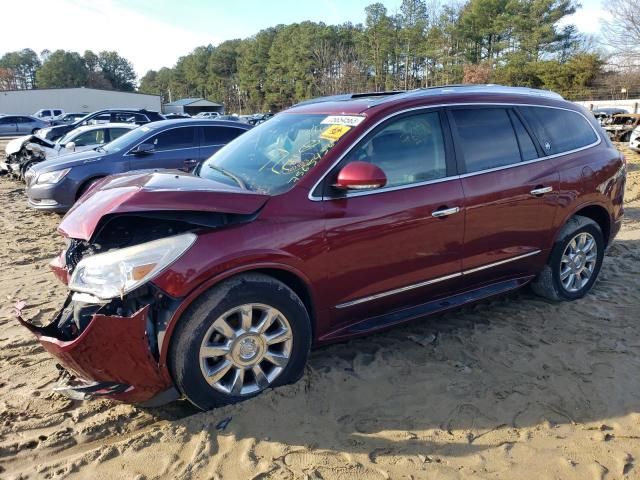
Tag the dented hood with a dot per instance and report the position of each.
(148, 191)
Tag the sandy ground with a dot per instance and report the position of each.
(511, 388)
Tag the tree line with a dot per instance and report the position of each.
(26, 69)
(425, 43)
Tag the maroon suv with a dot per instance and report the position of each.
(338, 217)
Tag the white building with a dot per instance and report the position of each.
(27, 102)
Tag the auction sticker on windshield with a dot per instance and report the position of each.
(334, 132)
(350, 120)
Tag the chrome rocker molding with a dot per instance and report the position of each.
(435, 280)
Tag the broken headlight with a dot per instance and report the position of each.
(113, 274)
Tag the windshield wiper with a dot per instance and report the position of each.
(99, 149)
(232, 176)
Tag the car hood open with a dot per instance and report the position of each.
(151, 191)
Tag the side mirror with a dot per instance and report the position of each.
(71, 146)
(360, 176)
(144, 149)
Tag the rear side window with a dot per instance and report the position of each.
(117, 132)
(220, 135)
(486, 138)
(559, 130)
(527, 148)
(174, 139)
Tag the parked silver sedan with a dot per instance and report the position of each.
(14, 125)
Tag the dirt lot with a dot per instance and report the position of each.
(511, 388)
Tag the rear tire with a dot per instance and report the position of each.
(574, 263)
(223, 352)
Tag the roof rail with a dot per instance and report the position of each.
(348, 96)
(474, 88)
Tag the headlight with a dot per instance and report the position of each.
(113, 274)
(52, 177)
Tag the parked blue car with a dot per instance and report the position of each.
(56, 184)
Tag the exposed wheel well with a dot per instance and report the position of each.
(85, 185)
(599, 215)
(296, 284)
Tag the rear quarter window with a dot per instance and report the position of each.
(559, 130)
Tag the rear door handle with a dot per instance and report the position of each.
(445, 212)
(541, 191)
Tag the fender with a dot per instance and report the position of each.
(195, 293)
(575, 209)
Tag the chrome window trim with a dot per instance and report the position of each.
(434, 280)
(314, 198)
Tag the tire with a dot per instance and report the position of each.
(86, 186)
(197, 376)
(551, 282)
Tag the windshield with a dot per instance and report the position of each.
(67, 138)
(126, 140)
(272, 157)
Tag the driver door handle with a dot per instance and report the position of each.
(445, 212)
(541, 191)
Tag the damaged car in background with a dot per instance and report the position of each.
(57, 183)
(23, 152)
(334, 219)
(621, 125)
(634, 140)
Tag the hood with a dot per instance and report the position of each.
(16, 144)
(149, 191)
(67, 161)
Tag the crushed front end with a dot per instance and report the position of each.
(106, 349)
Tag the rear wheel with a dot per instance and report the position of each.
(245, 335)
(574, 262)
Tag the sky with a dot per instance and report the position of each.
(153, 33)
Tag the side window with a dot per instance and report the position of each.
(93, 137)
(6, 121)
(57, 112)
(486, 138)
(559, 130)
(220, 135)
(527, 148)
(102, 118)
(409, 150)
(45, 113)
(117, 132)
(174, 139)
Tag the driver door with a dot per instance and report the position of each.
(399, 245)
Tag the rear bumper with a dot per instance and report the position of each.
(110, 358)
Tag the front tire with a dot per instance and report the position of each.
(245, 335)
(574, 263)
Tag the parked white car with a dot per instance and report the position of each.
(23, 152)
(207, 115)
(48, 114)
(82, 138)
(634, 140)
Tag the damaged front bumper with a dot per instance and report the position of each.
(110, 357)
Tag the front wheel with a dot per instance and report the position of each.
(574, 262)
(243, 336)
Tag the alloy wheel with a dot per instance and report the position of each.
(578, 262)
(245, 349)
